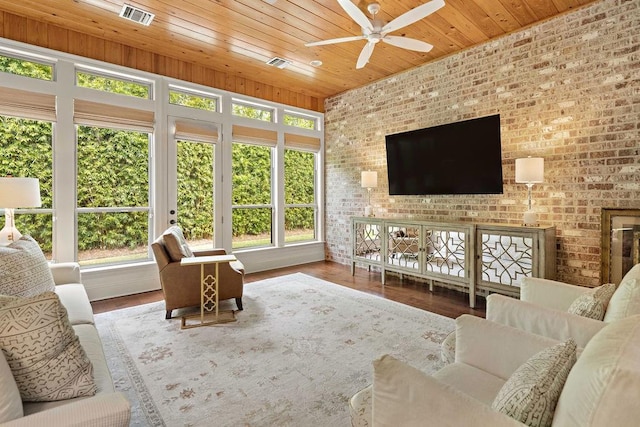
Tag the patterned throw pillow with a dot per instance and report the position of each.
(593, 304)
(44, 353)
(531, 393)
(24, 270)
(176, 244)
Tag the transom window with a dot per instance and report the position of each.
(200, 101)
(300, 120)
(26, 67)
(253, 111)
(122, 85)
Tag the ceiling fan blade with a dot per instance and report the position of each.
(408, 43)
(356, 14)
(412, 16)
(338, 40)
(367, 50)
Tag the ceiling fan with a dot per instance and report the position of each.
(375, 30)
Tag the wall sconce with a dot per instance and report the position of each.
(529, 171)
(369, 180)
(16, 193)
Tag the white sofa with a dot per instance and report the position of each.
(602, 388)
(107, 407)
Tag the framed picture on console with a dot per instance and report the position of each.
(620, 243)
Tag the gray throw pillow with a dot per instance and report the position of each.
(531, 393)
(593, 304)
(24, 270)
(44, 353)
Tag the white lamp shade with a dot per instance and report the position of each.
(19, 193)
(369, 179)
(530, 170)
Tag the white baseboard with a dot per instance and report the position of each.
(115, 281)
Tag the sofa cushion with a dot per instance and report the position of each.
(43, 351)
(10, 401)
(602, 387)
(24, 270)
(475, 382)
(593, 304)
(531, 393)
(625, 301)
(76, 301)
(405, 396)
(176, 244)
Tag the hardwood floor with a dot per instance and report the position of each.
(447, 302)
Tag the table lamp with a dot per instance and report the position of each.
(369, 180)
(529, 171)
(16, 193)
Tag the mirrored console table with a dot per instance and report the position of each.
(486, 257)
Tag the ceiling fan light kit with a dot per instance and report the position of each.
(375, 30)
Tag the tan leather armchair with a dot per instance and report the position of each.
(181, 285)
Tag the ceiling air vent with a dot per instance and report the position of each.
(136, 15)
(278, 62)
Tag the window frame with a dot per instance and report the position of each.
(64, 90)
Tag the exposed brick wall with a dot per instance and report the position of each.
(567, 90)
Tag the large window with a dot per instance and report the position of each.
(300, 199)
(26, 150)
(252, 196)
(113, 195)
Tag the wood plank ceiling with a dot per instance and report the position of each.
(238, 36)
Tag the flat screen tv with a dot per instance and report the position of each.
(456, 158)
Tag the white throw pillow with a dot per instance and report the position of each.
(531, 393)
(625, 301)
(602, 387)
(593, 304)
(10, 402)
(44, 353)
(24, 270)
(176, 244)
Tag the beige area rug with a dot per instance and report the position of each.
(299, 350)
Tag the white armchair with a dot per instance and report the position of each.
(542, 308)
(600, 389)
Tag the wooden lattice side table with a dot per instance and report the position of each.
(210, 314)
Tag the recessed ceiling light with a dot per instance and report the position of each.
(316, 63)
